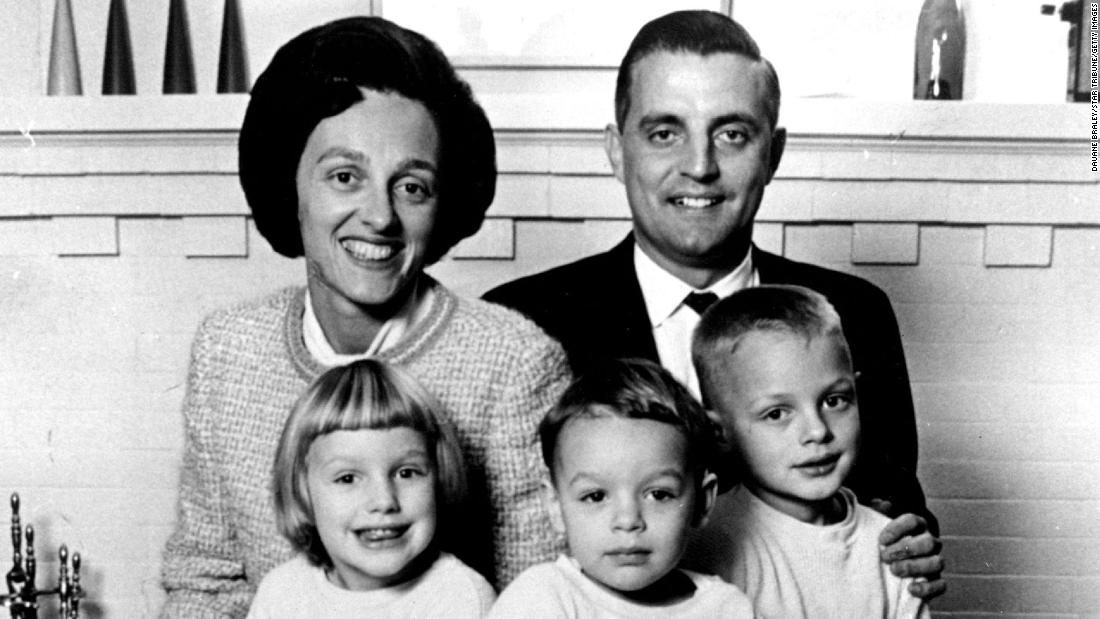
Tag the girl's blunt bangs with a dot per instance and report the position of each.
(365, 395)
(374, 398)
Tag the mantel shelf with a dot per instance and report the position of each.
(584, 112)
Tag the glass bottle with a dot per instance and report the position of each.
(940, 52)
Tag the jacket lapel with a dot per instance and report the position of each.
(622, 311)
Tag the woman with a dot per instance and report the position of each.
(363, 151)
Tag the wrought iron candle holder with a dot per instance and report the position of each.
(23, 594)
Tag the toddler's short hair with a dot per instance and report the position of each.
(792, 309)
(364, 395)
(633, 389)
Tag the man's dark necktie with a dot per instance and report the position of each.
(700, 301)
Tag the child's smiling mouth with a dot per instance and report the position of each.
(377, 535)
(819, 466)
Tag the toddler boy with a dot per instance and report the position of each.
(629, 453)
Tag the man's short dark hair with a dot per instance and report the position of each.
(697, 32)
(319, 74)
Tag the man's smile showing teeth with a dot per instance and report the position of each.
(362, 250)
(690, 202)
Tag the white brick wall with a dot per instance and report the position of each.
(101, 299)
(1018, 245)
(122, 224)
(884, 243)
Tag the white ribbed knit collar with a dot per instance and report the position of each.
(414, 310)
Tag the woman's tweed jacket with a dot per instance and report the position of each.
(495, 372)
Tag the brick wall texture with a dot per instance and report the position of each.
(109, 257)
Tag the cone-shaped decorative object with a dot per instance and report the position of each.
(941, 51)
(64, 75)
(118, 59)
(179, 70)
(232, 60)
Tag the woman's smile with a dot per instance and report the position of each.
(367, 204)
(368, 252)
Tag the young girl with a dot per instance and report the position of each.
(367, 476)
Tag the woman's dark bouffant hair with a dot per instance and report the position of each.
(319, 74)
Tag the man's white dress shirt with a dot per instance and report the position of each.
(672, 321)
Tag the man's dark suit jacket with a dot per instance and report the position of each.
(595, 308)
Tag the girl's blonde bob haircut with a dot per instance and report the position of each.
(364, 395)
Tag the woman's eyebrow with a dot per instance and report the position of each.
(342, 152)
(416, 163)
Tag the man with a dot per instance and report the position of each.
(695, 144)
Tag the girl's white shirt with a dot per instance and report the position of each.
(298, 589)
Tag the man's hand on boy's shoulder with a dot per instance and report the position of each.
(911, 551)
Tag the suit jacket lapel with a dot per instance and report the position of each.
(767, 266)
(622, 311)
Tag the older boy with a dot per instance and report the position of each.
(775, 365)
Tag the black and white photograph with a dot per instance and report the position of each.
(576, 309)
